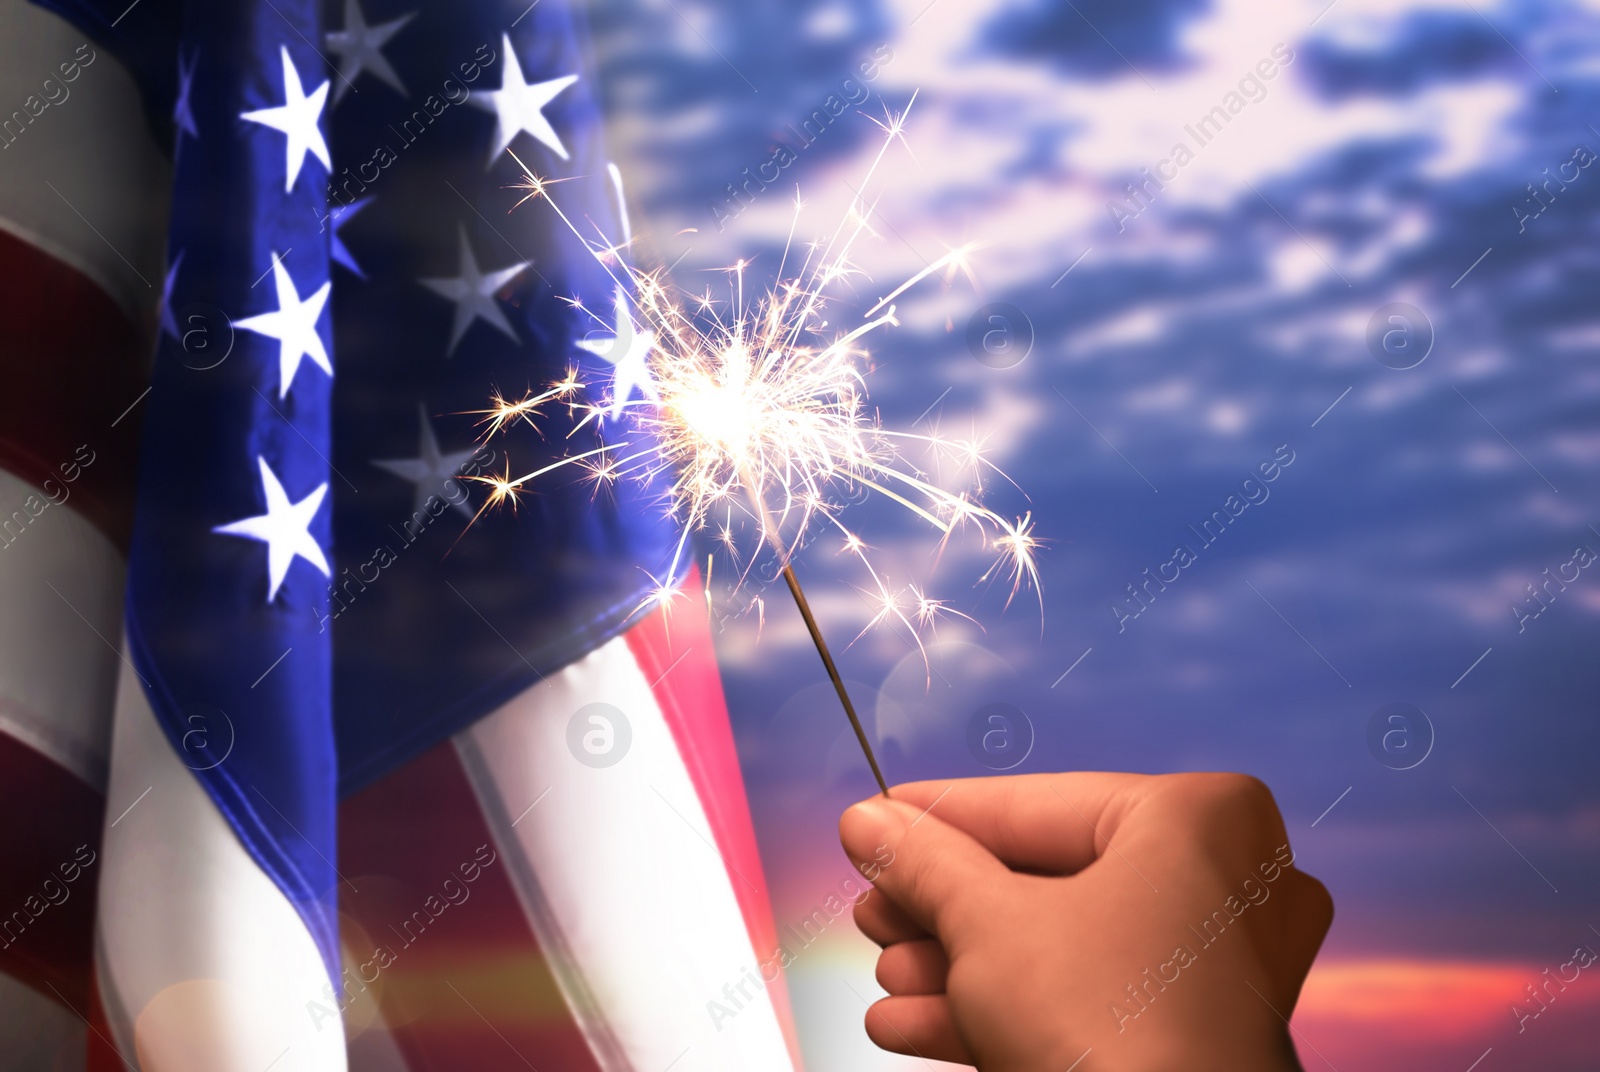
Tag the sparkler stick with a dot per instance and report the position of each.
(804, 606)
(833, 673)
(763, 411)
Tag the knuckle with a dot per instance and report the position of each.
(885, 973)
(1245, 788)
(1233, 814)
(864, 916)
(1237, 796)
(1317, 900)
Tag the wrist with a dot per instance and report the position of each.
(1272, 1050)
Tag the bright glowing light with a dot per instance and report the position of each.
(762, 410)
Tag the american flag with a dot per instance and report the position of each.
(328, 781)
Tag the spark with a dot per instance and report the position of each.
(503, 411)
(536, 186)
(662, 594)
(761, 410)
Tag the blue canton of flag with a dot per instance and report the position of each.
(442, 296)
(232, 540)
(346, 282)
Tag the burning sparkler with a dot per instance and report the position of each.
(761, 410)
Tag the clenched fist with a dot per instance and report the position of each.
(1098, 922)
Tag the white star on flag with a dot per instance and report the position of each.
(339, 215)
(473, 292)
(297, 118)
(169, 324)
(627, 349)
(285, 528)
(294, 325)
(360, 48)
(519, 106)
(182, 117)
(430, 469)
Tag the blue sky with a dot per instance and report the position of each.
(1386, 162)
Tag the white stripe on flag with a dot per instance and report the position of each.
(618, 872)
(203, 963)
(106, 215)
(61, 585)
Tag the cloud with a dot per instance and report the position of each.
(1095, 38)
(1384, 165)
(1422, 48)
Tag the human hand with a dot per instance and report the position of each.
(1129, 923)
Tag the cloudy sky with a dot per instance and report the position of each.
(1229, 315)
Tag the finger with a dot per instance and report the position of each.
(881, 920)
(1048, 823)
(920, 1026)
(946, 882)
(918, 967)
(1308, 916)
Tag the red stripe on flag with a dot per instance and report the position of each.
(675, 650)
(73, 365)
(468, 987)
(101, 1053)
(47, 893)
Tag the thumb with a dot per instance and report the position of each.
(938, 875)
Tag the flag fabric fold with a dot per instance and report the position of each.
(319, 607)
(230, 535)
